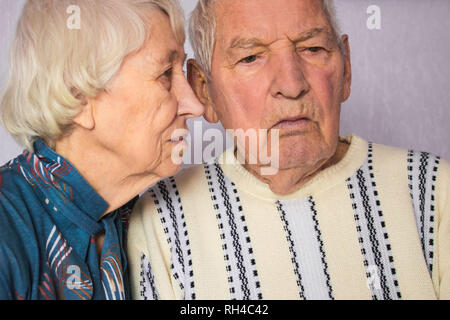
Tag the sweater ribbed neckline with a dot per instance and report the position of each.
(322, 182)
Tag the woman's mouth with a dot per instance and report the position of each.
(177, 139)
(179, 135)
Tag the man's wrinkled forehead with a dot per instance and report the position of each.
(238, 21)
(242, 42)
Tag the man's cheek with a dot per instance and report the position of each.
(334, 82)
(237, 102)
(327, 90)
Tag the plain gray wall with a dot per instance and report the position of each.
(400, 92)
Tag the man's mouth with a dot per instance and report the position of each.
(293, 123)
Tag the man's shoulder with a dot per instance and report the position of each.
(423, 171)
(387, 155)
(190, 175)
(166, 193)
(186, 180)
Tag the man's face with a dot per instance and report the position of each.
(277, 65)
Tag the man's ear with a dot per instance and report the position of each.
(347, 69)
(85, 119)
(199, 83)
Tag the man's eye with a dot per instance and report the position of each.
(249, 59)
(315, 49)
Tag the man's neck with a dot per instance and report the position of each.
(290, 180)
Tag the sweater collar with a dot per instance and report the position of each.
(323, 181)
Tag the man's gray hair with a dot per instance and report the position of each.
(202, 29)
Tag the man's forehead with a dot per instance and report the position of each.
(244, 41)
(257, 6)
(262, 19)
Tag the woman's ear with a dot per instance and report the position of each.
(85, 119)
(199, 83)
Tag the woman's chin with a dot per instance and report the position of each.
(169, 168)
(171, 161)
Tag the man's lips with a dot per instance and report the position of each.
(293, 123)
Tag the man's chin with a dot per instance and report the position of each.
(290, 164)
(296, 157)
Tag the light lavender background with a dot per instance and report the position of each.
(401, 89)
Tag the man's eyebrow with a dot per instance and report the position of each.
(244, 43)
(310, 34)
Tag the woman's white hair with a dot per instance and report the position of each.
(202, 28)
(54, 68)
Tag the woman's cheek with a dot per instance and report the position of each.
(165, 112)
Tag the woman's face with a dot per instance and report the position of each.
(147, 100)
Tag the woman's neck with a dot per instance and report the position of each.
(110, 177)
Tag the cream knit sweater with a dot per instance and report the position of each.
(374, 226)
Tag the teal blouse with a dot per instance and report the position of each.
(49, 217)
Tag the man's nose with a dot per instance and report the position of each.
(289, 78)
(188, 104)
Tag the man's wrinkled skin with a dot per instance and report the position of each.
(278, 65)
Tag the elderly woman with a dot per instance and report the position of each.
(96, 105)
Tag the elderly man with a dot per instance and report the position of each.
(340, 219)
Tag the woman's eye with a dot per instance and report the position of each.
(168, 74)
(166, 79)
(249, 59)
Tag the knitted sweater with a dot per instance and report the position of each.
(374, 226)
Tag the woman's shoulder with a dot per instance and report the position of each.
(19, 202)
(15, 263)
(17, 193)
(13, 178)
(15, 234)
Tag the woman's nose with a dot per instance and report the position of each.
(188, 104)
